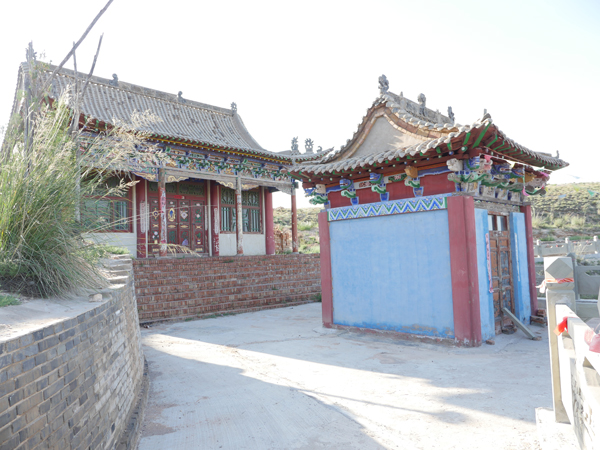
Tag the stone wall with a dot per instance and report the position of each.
(74, 384)
(178, 288)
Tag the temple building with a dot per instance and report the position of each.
(212, 172)
(427, 226)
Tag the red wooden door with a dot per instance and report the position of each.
(199, 234)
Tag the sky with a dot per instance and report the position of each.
(310, 69)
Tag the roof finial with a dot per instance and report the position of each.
(30, 55)
(451, 114)
(422, 101)
(308, 145)
(180, 98)
(384, 84)
(295, 146)
(114, 81)
(486, 115)
(234, 107)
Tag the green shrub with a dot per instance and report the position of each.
(8, 300)
(306, 226)
(43, 249)
(578, 221)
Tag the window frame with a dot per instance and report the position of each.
(113, 199)
(233, 211)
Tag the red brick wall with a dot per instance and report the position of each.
(196, 287)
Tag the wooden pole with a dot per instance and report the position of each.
(239, 218)
(269, 230)
(294, 221)
(162, 196)
(215, 216)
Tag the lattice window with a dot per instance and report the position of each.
(251, 211)
(227, 209)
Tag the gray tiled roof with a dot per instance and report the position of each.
(428, 147)
(179, 118)
(443, 128)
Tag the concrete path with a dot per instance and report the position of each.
(278, 380)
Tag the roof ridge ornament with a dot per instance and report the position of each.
(486, 115)
(384, 85)
(234, 107)
(180, 99)
(114, 81)
(422, 100)
(308, 145)
(451, 114)
(295, 150)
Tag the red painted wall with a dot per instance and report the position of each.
(326, 284)
(463, 267)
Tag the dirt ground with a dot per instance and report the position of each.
(277, 379)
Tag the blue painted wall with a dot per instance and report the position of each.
(486, 299)
(393, 273)
(518, 248)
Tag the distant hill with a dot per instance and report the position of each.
(567, 210)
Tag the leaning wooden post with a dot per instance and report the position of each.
(239, 217)
(162, 195)
(294, 220)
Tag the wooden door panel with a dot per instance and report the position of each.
(501, 278)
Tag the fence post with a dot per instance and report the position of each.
(556, 270)
(596, 246)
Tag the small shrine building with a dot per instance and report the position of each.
(427, 225)
(212, 170)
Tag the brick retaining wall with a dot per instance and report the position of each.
(196, 287)
(73, 384)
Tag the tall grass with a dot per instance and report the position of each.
(43, 251)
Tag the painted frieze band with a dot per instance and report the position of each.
(388, 208)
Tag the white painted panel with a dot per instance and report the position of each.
(227, 244)
(254, 244)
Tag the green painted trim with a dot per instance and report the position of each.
(449, 144)
(478, 140)
(437, 149)
(493, 140)
(467, 138)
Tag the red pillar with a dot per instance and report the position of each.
(162, 196)
(326, 283)
(294, 222)
(239, 218)
(526, 209)
(215, 217)
(140, 197)
(463, 267)
(269, 231)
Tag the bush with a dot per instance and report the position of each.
(43, 250)
(578, 221)
(306, 226)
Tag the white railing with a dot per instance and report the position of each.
(574, 361)
(558, 248)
